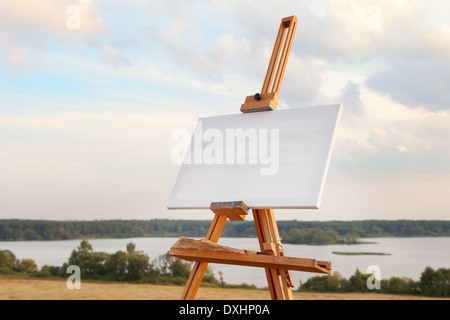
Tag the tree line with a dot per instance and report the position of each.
(316, 236)
(126, 266)
(432, 283)
(304, 232)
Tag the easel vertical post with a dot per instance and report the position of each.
(269, 242)
(274, 70)
(268, 99)
(199, 269)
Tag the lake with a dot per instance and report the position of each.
(408, 256)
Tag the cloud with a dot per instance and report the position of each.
(27, 28)
(16, 61)
(415, 83)
(113, 57)
(407, 43)
(426, 133)
(185, 45)
(49, 14)
(361, 31)
(301, 82)
(350, 98)
(415, 147)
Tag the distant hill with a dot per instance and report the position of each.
(12, 229)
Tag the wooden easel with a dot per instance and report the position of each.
(271, 257)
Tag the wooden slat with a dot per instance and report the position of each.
(261, 239)
(284, 276)
(202, 251)
(216, 228)
(292, 24)
(273, 60)
(286, 23)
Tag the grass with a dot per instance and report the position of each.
(56, 289)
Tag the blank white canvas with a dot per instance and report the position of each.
(305, 144)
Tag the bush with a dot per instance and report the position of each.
(9, 264)
(50, 271)
(434, 283)
(396, 285)
(132, 266)
(7, 259)
(329, 283)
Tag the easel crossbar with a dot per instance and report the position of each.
(201, 251)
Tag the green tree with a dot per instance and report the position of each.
(92, 264)
(174, 267)
(27, 266)
(51, 271)
(314, 284)
(396, 285)
(138, 265)
(116, 266)
(129, 266)
(351, 238)
(7, 260)
(358, 282)
(177, 271)
(435, 283)
(131, 248)
(81, 257)
(329, 283)
(426, 282)
(334, 282)
(313, 236)
(295, 235)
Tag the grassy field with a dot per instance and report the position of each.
(45, 289)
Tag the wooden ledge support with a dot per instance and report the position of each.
(201, 251)
(234, 210)
(263, 102)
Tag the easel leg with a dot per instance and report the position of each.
(199, 269)
(269, 241)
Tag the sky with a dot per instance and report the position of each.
(91, 91)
